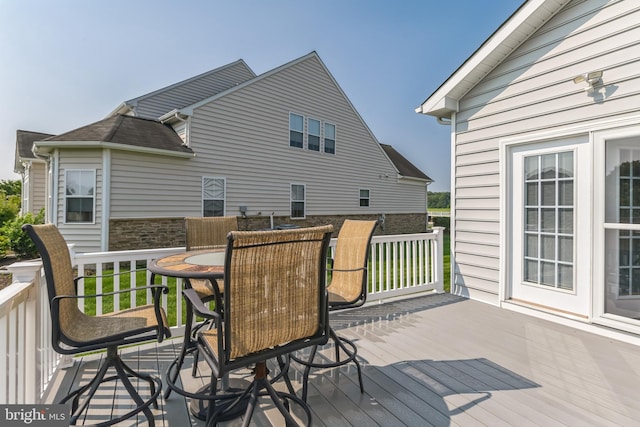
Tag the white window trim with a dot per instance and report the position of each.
(304, 186)
(597, 131)
(95, 190)
(335, 138)
(224, 200)
(319, 135)
(368, 197)
(303, 130)
(599, 139)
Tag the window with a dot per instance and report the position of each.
(297, 201)
(213, 196)
(622, 192)
(80, 196)
(329, 138)
(364, 198)
(314, 135)
(548, 220)
(319, 135)
(296, 130)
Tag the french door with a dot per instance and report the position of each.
(550, 235)
(618, 185)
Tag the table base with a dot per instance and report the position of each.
(199, 408)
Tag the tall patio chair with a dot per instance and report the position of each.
(75, 332)
(275, 302)
(207, 233)
(347, 289)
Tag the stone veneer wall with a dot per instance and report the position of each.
(132, 234)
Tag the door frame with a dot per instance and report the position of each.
(599, 138)
(574, 303)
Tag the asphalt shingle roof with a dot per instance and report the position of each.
(127, 130)
(25, 140)
(404, 166)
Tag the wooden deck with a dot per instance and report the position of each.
(434, 360)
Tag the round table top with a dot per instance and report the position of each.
(206, 263)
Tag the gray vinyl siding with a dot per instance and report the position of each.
(86, 237)
(158, 103)
(38, 187)
(531, 91)
(153, 186)
(244, 136)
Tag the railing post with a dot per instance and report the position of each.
(438, 267)
(29, 272)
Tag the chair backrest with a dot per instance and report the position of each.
(208, 232)
(275, 294)
(58, 272)
(348, 286)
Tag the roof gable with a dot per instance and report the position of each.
(512, 33)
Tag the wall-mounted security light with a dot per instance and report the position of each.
(591, 79)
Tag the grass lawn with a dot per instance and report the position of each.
(141, 297)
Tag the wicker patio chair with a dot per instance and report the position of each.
(347, 289)
(275, 302)
(76, 332)
(207, 233)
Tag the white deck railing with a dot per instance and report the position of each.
(399, 265)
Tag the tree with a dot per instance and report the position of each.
(439, 199)
(11, 187)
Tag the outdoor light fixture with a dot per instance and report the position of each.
(591, 79)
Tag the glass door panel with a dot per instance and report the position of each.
(622, 227)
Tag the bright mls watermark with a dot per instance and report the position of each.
(34, 415)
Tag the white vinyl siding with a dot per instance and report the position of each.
(532, 90)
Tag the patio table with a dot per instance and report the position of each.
(200, 264)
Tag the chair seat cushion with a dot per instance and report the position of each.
(117, 324)
(203, 288)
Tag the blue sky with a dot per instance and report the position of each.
(65, 64)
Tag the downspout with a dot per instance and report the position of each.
(443, 121)
(105, 212)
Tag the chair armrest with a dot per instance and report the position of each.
(110, 275)
(346, 270)
(198, 306)
(154, 288)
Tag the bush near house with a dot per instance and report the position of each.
(15, 240)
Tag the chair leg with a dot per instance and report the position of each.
(348, 347)
(123, 372)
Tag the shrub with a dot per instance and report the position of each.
(9, 207)
(442, 221)
(17, 240)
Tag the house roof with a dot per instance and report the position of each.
(404, 166)
(121, 132)
(129, 105)
(25, 140)
(529, 17)
(24, 144)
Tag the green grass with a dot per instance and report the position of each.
(141, 280)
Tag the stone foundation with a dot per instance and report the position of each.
(133, 234)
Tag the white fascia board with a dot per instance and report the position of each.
(50, 146)
(509, 36)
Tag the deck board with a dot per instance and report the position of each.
(433, 360)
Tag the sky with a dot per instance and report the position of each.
(68, 63)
